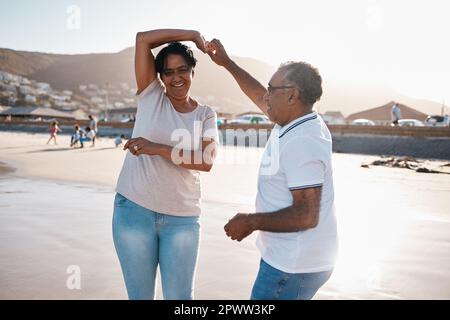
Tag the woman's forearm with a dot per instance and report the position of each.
(192, 160)
(156, 38)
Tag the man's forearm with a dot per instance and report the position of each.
(156, 38)
(249, 85)
(290, 219)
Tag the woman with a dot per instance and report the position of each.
(157, 205)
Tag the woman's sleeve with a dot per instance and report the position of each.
(210, 130)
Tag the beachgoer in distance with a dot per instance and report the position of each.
(93, 124)
(54, 129)
(395, 114)
(118, 141)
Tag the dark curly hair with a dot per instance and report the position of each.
(306, 79)
(174, 48)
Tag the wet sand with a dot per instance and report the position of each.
(56, 209)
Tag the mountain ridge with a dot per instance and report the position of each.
(69, 71)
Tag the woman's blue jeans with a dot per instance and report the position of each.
(145, 239)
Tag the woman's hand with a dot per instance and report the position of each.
(199, 41)
(138, 146)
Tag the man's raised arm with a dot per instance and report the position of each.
(249, 85)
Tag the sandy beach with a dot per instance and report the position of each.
(56, 210)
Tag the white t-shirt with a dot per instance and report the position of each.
(396, 113)
(152, 181)
(298, 156)
(93, 124)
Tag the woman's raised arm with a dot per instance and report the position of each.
(144, 61)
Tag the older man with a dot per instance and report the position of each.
(295, 198)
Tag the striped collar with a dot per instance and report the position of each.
(295, 123)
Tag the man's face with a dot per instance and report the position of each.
(277, 96)
(176, 76)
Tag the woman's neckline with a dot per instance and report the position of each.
(179, 112)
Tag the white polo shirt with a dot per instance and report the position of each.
(298, 156)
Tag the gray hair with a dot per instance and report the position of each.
(306, 79)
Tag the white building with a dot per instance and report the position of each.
(30, 98)
(25, 90)
(123, 114)
(96, 100)
(333, 117)
(43, 86)
(8, 87)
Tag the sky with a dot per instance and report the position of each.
(401, 44)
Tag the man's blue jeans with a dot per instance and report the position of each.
(273, 284)
(144, 239)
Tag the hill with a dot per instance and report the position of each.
(212, 85)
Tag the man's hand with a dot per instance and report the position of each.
(138, 146)
(239, 227)
(217, 53)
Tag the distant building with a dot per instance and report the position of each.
(8, 87)
(382, 115)
(123, 114)
(30, 98)
(26, 90)
(33, 113)
(333, 117)
(43, 86)
(96, 100)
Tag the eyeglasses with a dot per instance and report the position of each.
(179, 71)
(271, 89)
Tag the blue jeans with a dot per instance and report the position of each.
(273, 284)
(144, 239)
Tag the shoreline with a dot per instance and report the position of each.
(20, 168)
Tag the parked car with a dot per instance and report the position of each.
(410, 123)
(363, 122)
(251, 119)
(437, 121)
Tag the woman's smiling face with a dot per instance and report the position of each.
(177, 76)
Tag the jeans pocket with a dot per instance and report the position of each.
(120, 200)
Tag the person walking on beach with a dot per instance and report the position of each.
(395, 114)
(54, 129)
(157, 204)
(295, 199)
(93, 124)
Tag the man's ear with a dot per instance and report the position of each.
(292, 97)
(295, 95)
